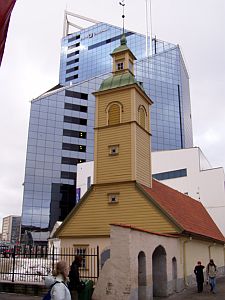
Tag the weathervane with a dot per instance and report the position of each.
(123, 16)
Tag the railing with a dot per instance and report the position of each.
(31, 264)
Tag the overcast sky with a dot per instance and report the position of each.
(30, 66)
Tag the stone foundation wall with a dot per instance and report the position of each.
(23, 288)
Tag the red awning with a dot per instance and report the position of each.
(6, 7)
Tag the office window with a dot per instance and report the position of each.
(74, 38)
(74, 120)
(77, 95)
(170, 174)
(72, 70)
(88, 182)
(72, 77)
(71, 160)
(75, 107)
(73, 61)
(73, 133)
(73, 54)
(73, 46)
(73, 147)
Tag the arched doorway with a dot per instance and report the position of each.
(159, 272)
(142, 282)
(174, 274)
(104, 256)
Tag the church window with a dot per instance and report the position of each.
(130, 66)
(114, 114)
(142, 116)
(120, 66)
(113, 198)
(114, 150)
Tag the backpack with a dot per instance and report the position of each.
(48, 295)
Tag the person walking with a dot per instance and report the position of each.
(75, 285)
(211, 271)
(199, 276)
(58, 282)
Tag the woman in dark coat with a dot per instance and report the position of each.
(199, 276)
(75, 285)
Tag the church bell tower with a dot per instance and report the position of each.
(122, 125)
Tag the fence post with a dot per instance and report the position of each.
(14, 262)
(30, 249)
(97, 261)
(53, 257)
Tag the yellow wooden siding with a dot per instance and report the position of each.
(95, 214)
(122, 96)
(113, 168)
(114, 114)
(143, 160)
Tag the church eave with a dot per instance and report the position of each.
(73, 211)
(132, 85)
(179, 227)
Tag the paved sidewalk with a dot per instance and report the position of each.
(188, 294)
(191, 293)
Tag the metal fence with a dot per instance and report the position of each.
(32, 264)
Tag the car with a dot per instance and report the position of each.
(4, 250)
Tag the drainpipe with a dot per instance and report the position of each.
(224, 257)
(184, 260)
(209, 247)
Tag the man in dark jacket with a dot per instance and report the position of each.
(75, 285)
(199, 276)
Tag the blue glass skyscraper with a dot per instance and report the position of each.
(61, 125)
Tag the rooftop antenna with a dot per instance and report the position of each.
(150, 33)
(123, 16)
(148, 12)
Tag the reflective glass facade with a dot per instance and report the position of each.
(60, 135)
(62, 120)
(86, 54)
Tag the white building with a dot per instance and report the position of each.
(11, 229)
(54, 242)
(85, 177)
(186, 170)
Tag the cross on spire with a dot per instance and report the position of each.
(123, 16)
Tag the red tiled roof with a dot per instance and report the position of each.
(188, 213)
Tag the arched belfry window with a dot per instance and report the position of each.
(114, 113)
(142, 116)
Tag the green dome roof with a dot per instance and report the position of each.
(119, 80)
(120, 49)
(123, 45)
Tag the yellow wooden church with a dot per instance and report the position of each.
(123, 190)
